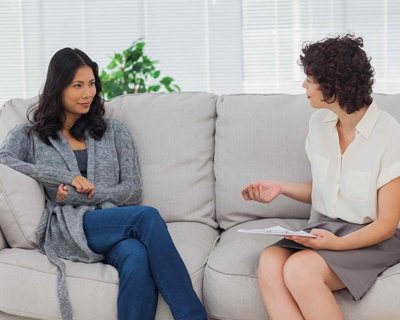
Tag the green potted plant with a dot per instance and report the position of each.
(131, 71)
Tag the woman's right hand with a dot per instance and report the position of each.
(263, 191)
(83, 185)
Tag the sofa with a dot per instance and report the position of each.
(197, 151)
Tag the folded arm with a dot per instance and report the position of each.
(129, 190)
(14, 153)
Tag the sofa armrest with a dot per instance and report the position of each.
(3, 242)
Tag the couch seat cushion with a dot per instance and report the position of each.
(231, 288)
(230, 280)
(28, 279)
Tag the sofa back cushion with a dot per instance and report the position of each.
(174, 134)
(13, 112)
(21, 207)
(259, 137)
(263, 137)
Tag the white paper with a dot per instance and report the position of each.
(278, 231)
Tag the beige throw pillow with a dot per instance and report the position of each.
(21, 207)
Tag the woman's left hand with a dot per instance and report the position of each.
(325, 240)
(62, 192)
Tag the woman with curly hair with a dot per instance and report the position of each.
(89, 167)
(354, 151)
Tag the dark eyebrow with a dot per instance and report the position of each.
(78, 81)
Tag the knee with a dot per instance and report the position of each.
(152, 214)
(298, 273)
(129, 254)
(270, 267)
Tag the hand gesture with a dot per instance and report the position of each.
(262, 191)
(83, 185)
(62, 192)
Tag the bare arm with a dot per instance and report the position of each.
(297, 191)
(381, 229)
(267, 190)
(384, 227)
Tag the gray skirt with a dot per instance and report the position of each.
(358, 268)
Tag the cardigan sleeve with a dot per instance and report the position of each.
(129, 190)
(14, 153)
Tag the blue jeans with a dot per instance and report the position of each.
(135, 240)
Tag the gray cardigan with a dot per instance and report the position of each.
(113, 167)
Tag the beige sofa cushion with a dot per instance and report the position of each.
(174, 133)
(21, 207)
(259, 137)
(231, 289)
(28, 280)
(13, 112)
(7, 316)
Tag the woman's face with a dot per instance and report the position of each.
(78, 95)
(313, 92)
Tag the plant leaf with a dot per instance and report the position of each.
(112, 65)
(169, 88)
(156, 74)
(166, 81)
(140, 46)
(118, 57)
(154, 88)
(119, 74)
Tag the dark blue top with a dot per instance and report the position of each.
(82, 157)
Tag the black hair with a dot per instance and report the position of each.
(48, 113)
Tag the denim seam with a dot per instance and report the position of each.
(108, 225)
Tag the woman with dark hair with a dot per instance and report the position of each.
(89, 167)
(354, 151)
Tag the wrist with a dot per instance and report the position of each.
(339, 244)
(283, 187)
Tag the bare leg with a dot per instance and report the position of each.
(311, 281)
(277, 298)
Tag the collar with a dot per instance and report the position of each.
(366, 123)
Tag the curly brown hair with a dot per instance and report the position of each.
(342, 70)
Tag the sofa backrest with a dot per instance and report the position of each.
(263, 137)
(174, 134)
(256, 137)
